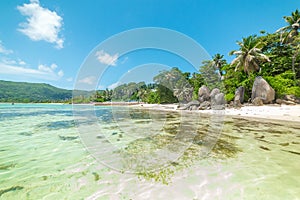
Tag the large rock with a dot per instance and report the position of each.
(261, 89)
(214, 92)
(193, 105)
(239, 97)
(286, 102)
(218, 102)
(239, 94)
(291, 98)
(257, 101)
(203, 94)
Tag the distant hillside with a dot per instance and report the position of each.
(32, 92)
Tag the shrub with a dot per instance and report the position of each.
(283, 84)
(294, 90)
(229, 97)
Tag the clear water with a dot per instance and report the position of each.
(42, 157)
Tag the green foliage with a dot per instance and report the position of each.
(249, 56)
(32, 92)
(229, 97)
(283, 70)
(232, 80)
(152, 97)
(127, 92)
(274, 56)
(295, 90)
(283, 84)
(165, 95)
(174, 86)
(211, 76)
(196, 81)
(292, 28)
(101, 96)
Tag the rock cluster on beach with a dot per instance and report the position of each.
(207, 99)
(262, 93)
(288, 100)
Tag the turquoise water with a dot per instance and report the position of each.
(43, 155)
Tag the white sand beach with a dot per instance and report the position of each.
(269, 112)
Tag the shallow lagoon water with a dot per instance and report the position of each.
(42, 156)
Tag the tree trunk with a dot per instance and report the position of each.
(293, 68)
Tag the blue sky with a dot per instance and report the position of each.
(48, 40)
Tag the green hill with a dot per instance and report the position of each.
(32, 92)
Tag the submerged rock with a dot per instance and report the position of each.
(67, 137)
(262, 90)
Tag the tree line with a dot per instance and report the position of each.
(274, 56)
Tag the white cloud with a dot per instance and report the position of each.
(42, 72)
(45, 68)
(107, 59)
(53, 66)
(3, 50)
(60, 73)
(114, 85)
(41, 24)
(90, 80)
(21, 62)
(51, 70)
(8, 61)
(70, 79)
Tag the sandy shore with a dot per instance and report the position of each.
(268, 112)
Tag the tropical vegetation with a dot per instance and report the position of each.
(274, 56)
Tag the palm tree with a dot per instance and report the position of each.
(296, 49)
(292, 28)
(291, 38)
(249, 55)
(218, 62)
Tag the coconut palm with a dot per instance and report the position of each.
(249, 56)
(217, 62)
(292, 28)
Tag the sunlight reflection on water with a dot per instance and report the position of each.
(41, 156)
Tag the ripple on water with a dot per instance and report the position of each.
(41, 157)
